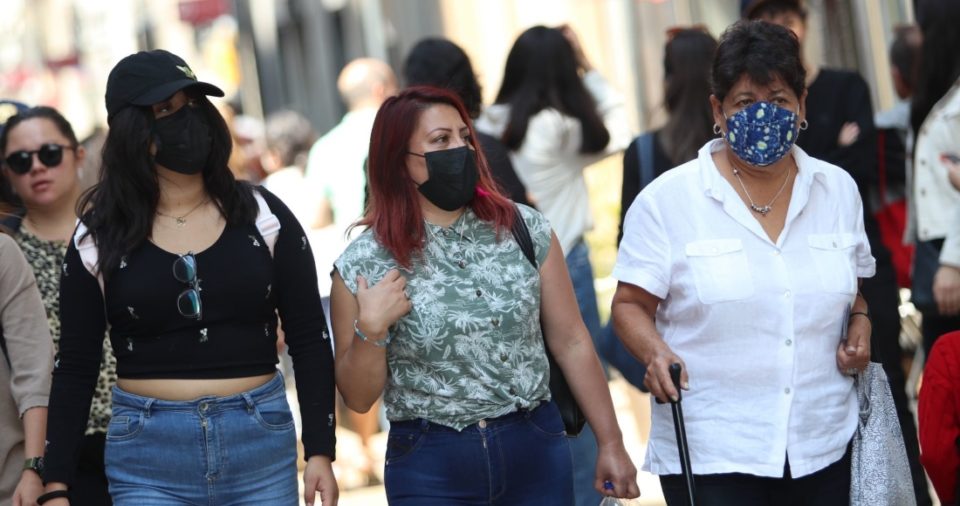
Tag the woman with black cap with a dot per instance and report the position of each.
(190, 269)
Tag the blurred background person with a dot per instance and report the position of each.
(687, 57)
(842, 132)
(336, 167)
(440, 62)
(556, 123)
(25, 375)
(289, 137)
(938, 412)
(42, 159)
(734, 265)
(935, 118)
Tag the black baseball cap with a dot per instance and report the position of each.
(149, 77)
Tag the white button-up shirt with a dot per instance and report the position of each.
(757, 322)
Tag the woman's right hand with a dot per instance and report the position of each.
(658, 380)
(382, 304)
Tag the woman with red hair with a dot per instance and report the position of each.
(436, 306)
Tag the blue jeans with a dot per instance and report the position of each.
(235, 450)
(518, 458)
(584, 446)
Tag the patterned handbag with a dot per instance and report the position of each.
(879, 473)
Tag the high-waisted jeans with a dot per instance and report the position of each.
(517, 459)
(234, 450)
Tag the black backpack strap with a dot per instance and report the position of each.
(521, 234)
(3, 347)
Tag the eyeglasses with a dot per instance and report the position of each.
(50, 155)
(185, 271)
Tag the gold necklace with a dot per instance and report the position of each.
(182, 219)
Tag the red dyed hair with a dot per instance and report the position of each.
(394, 212)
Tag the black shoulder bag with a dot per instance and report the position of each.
(573, 419)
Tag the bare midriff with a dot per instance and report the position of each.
(188, 389)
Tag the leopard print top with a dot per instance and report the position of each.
(46, 257)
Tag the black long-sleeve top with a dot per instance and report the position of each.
(242, 291)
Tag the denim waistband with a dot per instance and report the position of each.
(487, 424)
(205, 405)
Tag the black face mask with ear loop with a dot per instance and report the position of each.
(452, 177)
(183, 140)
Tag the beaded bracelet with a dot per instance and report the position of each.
(379, 343)
(863, 313)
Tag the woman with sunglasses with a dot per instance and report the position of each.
(41, 161)
(190, 269)
(436, 307)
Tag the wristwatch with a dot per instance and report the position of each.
(34, 464)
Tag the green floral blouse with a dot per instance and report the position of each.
(471, 347)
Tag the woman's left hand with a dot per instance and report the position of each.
(615, 466)
(318, 477)
(853, 355)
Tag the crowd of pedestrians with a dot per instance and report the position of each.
(171, 331)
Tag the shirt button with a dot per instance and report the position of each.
(789, 342)
(775, 253)
(444, 232)
(786, 294)
(495, 322)
(479, 293)
(923, 161)
(513, 391)
(786, 390)
(503, 357)
(482, 424)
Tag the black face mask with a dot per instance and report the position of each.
(452, 177)
(183, 141)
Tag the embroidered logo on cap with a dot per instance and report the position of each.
(186, 70)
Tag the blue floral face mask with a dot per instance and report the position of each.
(762, 133)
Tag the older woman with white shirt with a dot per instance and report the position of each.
(743, 266)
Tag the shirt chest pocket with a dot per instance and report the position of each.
(833, 256)
(720, 270)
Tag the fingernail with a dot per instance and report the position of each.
(851, 349)
(674, 398)
(686, 385)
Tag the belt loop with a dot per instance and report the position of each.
(248, 400)
(147, 406)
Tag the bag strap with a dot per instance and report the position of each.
(3, 348)
(267, 224)
(645, 153)
(521, 234)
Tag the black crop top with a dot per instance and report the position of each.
(241, 291)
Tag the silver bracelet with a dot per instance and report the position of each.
(379, 343)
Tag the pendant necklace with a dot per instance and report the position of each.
(762, 210)
(462, 263)
(182, 219)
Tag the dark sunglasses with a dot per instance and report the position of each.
(185, 271)
(50, 154)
